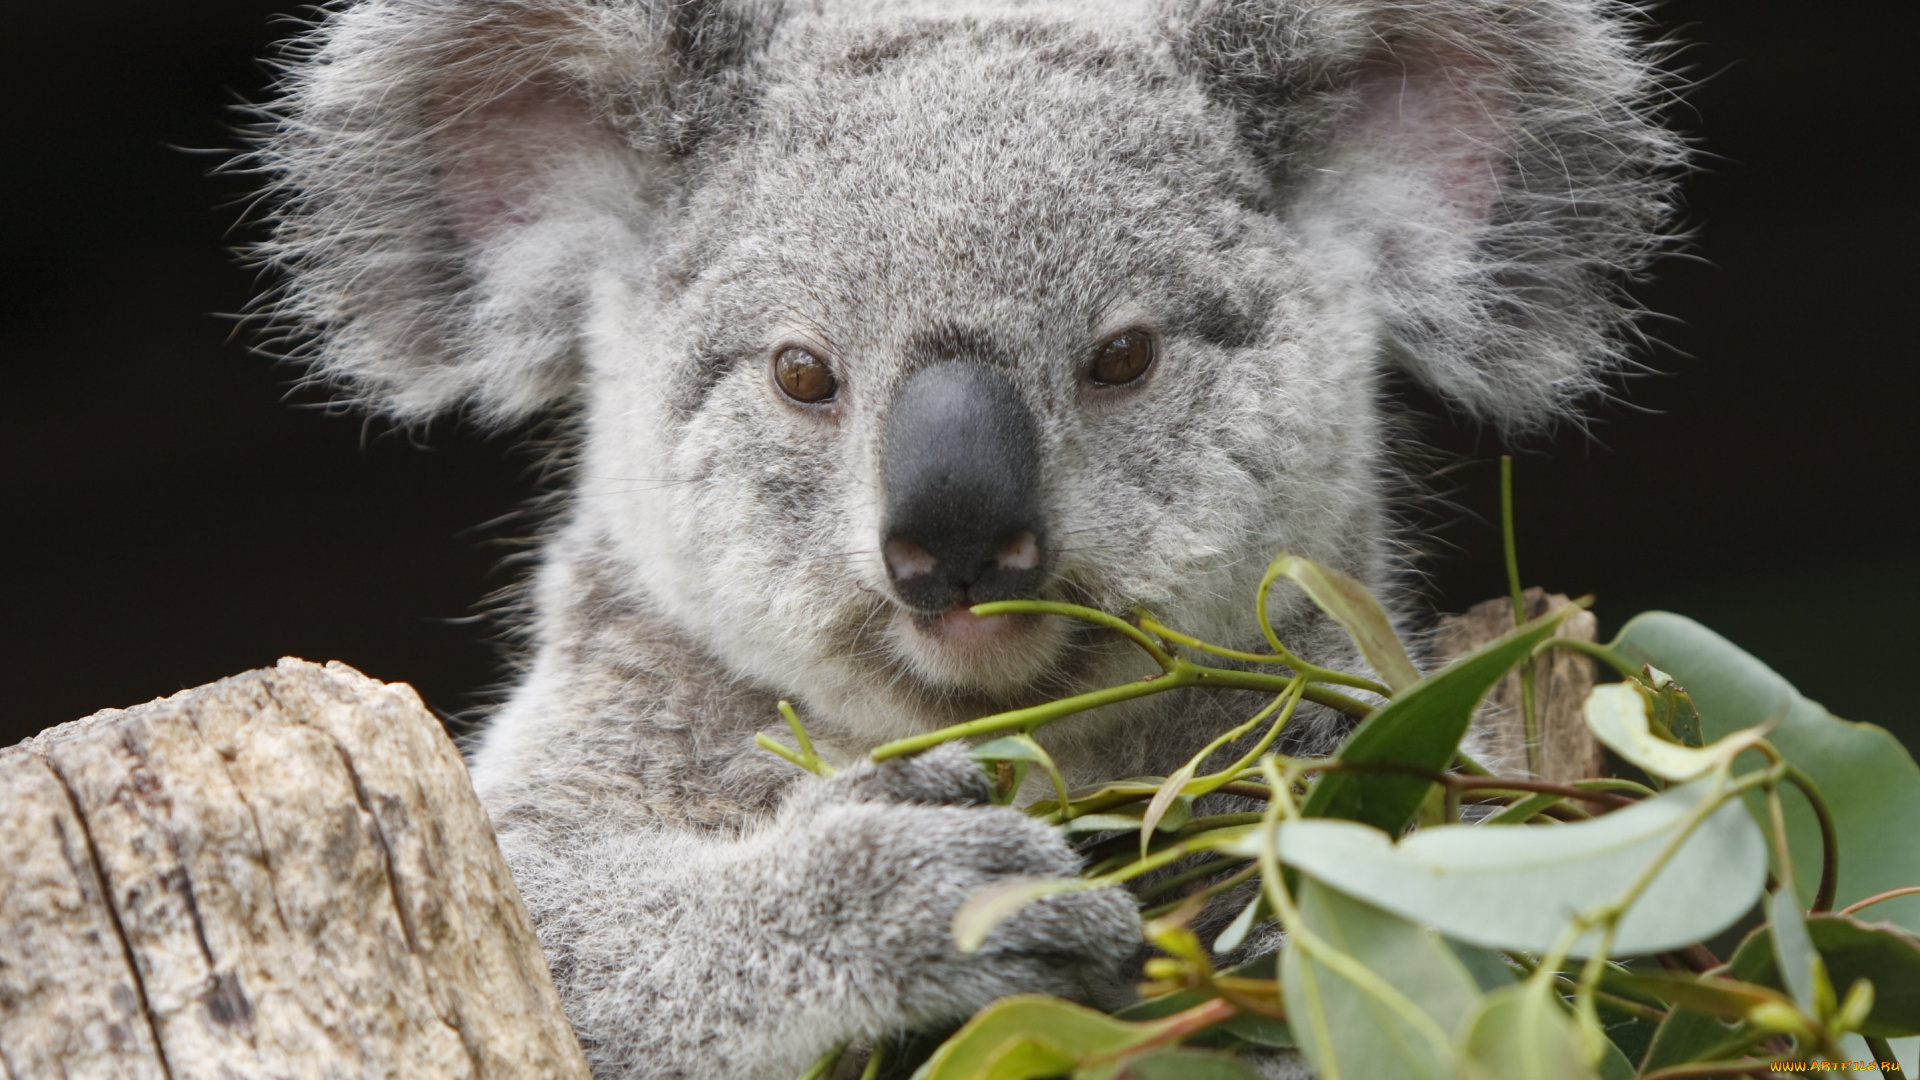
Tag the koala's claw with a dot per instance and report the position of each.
(944, 776)
(909, 841)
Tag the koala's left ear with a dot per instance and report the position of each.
(449, 178)
(1491, 168)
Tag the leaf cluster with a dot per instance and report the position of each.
(1443, 922)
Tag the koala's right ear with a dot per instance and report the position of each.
(449, 176)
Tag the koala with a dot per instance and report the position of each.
(860, 312)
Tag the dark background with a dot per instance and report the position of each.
(173, 514)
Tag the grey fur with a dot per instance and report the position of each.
(625, 206)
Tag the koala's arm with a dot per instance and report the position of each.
(680, 954)
(710, 910)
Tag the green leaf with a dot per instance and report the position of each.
(1489, 969)
(998, 902)
(1184, 1065)
(1260, 1031)
(1618, 715)
(1713, 995)
(1165, 800)
(1685, 1036)
(1358, 613)
(1804, 974)
(1853, 949)
(1245, 1027)
(1130, 818)
(1351, 1032)
(1673, 711)
(1523, 1033)
(1030, 1036)
(1518, 888)
(1869, 780)
(1615, 1064)
(1420, 728)
(1256, 912)
(1011, 748)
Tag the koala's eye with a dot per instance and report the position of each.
(1124, 358)
(803, 376)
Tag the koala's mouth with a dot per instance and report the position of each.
(954, 649)
(958, 627)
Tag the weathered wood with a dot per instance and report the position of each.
(283, 874)
(1562, 681)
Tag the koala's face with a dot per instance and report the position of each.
(871, 316)
(970, 317)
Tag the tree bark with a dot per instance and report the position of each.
(283, 874)
(1562, 680)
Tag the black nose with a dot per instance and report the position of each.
(960, 461)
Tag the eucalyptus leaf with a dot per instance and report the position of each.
(1011, 748)
(1685, 1035)
(1489, 969)
(1523, 1033)
(1421, 729)
(1184, 1065)
(1799, 962)
(1853, 948)
(1163, 801)
(1357, 612)
(1713, 995)
(998, 902)
(1348, 1030)
(1520, 888)
(1256, 911)
(1030, 1036)
(1619, 716)
(1178, 812)
(1869, 780)
(1615, 1064)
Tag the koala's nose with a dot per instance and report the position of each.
(960, 463)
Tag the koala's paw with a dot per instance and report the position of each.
(904, 844)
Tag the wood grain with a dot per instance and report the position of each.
(282, 874)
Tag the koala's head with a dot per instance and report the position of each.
(874, 311)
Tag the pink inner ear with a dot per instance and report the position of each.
(1435, 115)
(502, 157)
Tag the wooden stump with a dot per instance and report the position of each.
(1562, 681)
(283, 874)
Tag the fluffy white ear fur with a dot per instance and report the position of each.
(1490, 169)
(449, 177)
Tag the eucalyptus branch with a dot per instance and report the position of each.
(1857, 905)
(1529, 715)
(1314, 672)
(1184, 673)
(1829, 838)
(1319, 949)
(1282, 657)
(1883, 1054)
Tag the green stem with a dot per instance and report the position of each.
(1207, 784)
(1184, 673)
(1910, 890)
(1319, 950)
(1026, 720)
(1707, 1069)
(1829, 839)
(1084, 614)
(1883, 1052)
(826, 1063)
(1312, 671)
(1603, 653)
(1165, 856)
(1529, 716)
(1208, 893)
